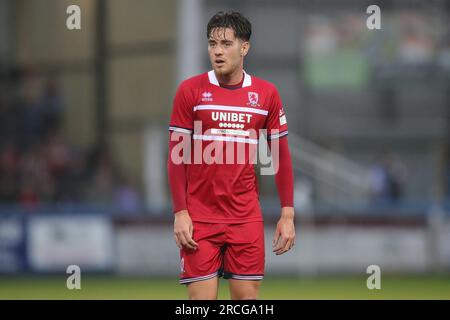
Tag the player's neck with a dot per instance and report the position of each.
(232, 79)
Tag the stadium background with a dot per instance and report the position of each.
(83, 144)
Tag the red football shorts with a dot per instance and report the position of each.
(233, 251)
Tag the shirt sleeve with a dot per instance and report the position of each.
(284, 178)
(177, 180)
(277, 127)
(276, 124)
(182, 119)
(181, 122)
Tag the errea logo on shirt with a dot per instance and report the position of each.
(207, 96)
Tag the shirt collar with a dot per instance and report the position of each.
(213, 79)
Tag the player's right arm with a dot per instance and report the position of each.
(183, 230)
(181, 126)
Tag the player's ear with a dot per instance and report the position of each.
(245, 47)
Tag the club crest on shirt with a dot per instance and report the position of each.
(253, 99)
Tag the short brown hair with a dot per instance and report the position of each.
(241, 26)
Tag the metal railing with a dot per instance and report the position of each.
(337, 180)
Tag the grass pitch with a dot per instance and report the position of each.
(110, 287)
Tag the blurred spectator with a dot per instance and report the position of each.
(72, 183)
(126, 196)
(417, 43)
(31, 124)
(51, 104)
(9, 120)
(36, 181)
(303, 194)
(9, 174)
(387, 181)
(38, 165)
(40, 110)
(101, 175)
(28, 197)
(101, 186)
(66, 166)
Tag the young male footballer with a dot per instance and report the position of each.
(216, 120)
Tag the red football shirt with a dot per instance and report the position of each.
(225, 126)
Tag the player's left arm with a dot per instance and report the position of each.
(284, 237)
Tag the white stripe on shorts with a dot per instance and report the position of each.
(209, 276)
(244, 277)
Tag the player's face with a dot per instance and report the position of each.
(226, 53)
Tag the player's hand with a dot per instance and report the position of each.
(284, 238)
(183, 230)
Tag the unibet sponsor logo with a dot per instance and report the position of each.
(231, 117)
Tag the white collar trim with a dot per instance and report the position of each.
(213, 79)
